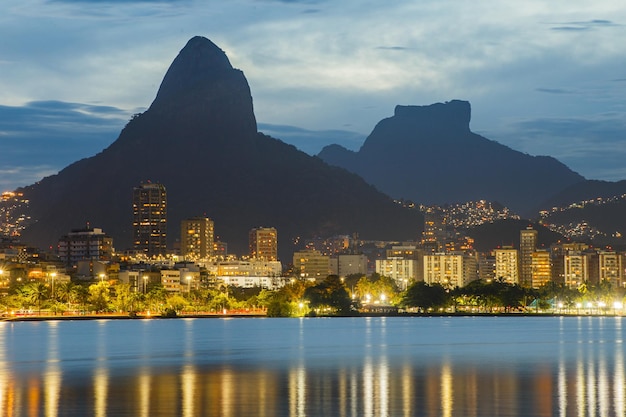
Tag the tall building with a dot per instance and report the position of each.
(450, 269)
(527, 246)
(610, 268)
(541, 268)
(197, 238)
(575, 269)
(433, 236)
(263, 243)
(150, 219)
(507, 265)
(311, 265)
(85, 244)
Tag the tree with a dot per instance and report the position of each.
(36, 293)
(425, 297)
(331, 294)
(99, 296)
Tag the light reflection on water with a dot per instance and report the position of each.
(487, 366)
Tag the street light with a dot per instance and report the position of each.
(145, 283)
(53, 275)
(101, 277)
(189, 285)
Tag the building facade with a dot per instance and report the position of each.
(528, 245)
(311, 265)
(450, 269)
(507, 264)
(85, 244)
(197, 238)
(150, 219)
(263, 243)
(541, 266)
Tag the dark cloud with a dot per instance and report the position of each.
(393, 48)
(118, 1)
(594, 146)
(43, 137)
(583, 25)
(312, 141)
(554, 91)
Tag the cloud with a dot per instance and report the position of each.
(594, 146)
(584, 25)
(554, 91)
(42, 137)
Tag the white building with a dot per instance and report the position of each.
(507, 265)
(449, 269)
(270, 283)
(403, 271)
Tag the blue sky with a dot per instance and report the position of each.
(545, 78)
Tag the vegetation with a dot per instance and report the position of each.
(331, 297)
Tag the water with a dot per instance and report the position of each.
(437, 366)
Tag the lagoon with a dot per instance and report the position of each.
(362, 366)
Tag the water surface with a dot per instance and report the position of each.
(400, 366)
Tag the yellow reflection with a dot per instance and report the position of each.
(101, 391)
(619, 389)
(144, 392)
(407, 391)
(227, 393)
(383, 386)
(297, 391)
(188, 387)
(368, 387)
(4, 371)
(52, 375)
(447, 391)
(562, 385)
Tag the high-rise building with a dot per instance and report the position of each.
(450, 269)
(150, 219)
(507, 265)
(311, 265)
(263, 243)
(434, 233)
(575, 269)
(528, 245)
(541, 268)
(196, 238)
(85, 244)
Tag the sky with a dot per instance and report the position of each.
(542, 77)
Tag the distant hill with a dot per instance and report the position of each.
(199, 138)
(429, 155)
(585, 190)
(489, 236)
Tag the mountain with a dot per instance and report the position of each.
(199, 138)
(428, 154)
(489, 236)
(586, 190)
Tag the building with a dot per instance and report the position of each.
(311, 265)
(150, 219)
(433, 236)
(197, 238)
(85, 244)
(351, 264)
(528, 245)
(263, 243)
(610, 268)
(507, 264)
(247, 268)
(575, 268)
(403, 271)
(541, 267)
(269, 283)
(450, 269)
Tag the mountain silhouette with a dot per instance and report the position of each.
(199, 138)
(428, 154)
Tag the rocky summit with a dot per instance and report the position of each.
(428, 154)
(199, 139)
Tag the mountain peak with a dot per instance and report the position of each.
(451, 115)
(197, 63)
(201, 84)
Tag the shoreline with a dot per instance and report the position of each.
(94, 317)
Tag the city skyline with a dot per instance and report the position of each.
(542, 79)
